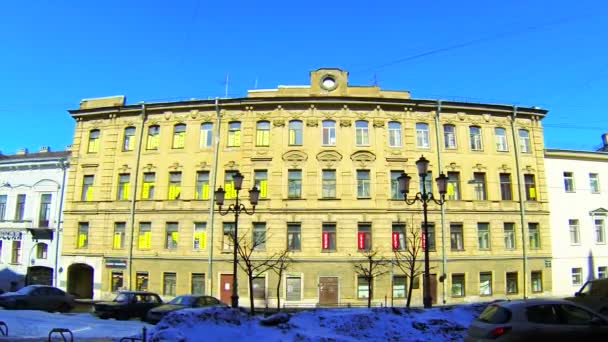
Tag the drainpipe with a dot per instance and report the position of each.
(133, 194)
(522, 208)
(443, 256)
(212, 196)
(64, 166)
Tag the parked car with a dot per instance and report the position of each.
(537, 320)
(182, 302)
(128, 304)
(38, 297)
(594, 295)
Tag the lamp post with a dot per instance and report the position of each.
(237, 208)
(425, 197)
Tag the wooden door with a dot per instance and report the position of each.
(328, 290)
(226, 288)
(434, 288)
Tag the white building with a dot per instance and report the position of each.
(577, 182)
(31, 189)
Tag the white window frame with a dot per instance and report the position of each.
(362, 133)
(394, 134)
(422, 135)
(500, 134)
(328, 133)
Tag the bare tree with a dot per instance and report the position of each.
(283, 262)
(373, 266)
(406, 259)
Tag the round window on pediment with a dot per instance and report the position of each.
(328, 82)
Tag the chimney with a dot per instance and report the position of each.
(22, 151)
(45, 149)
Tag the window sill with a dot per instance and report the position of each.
(457, 250)
(328, 251)
(328, 199)
(293, 199)
(364, 198)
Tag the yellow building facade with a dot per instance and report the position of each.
(325, 157)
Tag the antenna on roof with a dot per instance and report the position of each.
(226, 86)
(375, 80)
(255, 85)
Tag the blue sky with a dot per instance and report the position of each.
(551, 54)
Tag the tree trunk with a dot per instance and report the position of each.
(409, 290)
(252, 307)
(371, 293)
(279, 293)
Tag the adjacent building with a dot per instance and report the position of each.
(31, 192)
(326, 157)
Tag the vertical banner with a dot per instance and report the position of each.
(361, 240)
(423, 241)
(325, 240)
(395, 240)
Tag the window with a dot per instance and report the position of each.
(259, 287)
(577, 276)
(569, 182)
(456, 239)
(93, 141)
(524, 141)
(534, 235)
(294, 288)
(431, 233)
(505, 187)
(119, 235)
(200, 236)
(483, 235)
(123, 186)
(295, 133)
(171, 235)
(117, 281)
(500, 135)
(329, 133)
(594, 183)
(2, 207)
(87, 188)
(361, 133)
(145, 235)
(229, 184)
(206, 135)
(20, 208)
(530, 184)
(399, 286)
(329, 237)
(197, 284)
(475, 137)
(262, 134)
(416, 283)
(328, 184)
(479, 186)
(394, 134)
(179, 136)
(45, 210)
(141, 281)
(509, 230)
(395, 193)
(428, 183)
(202, 185)
(458, 286)
(449, 136)
(228, 240)
(512, 283)
(574, 232)
(42, 250)
(153, 140)
(453, 186)
(175, 185)
(602, 272)
(83, 234)
(363, 184)
(599, 231)
(147, 189)
(422, 135)
(128, 143)
(485, 283)
(259, 236)
(364, 236)
(16, 252)
(234, 134)
(260, 181)
(169, 282)
(294, 184)
(398, 237)
(362, 287)
(294, 237)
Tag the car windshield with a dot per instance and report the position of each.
(25, 290)
(586, 289)
(183, 300)
(495, 314)
(122, 297)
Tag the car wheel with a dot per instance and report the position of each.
(123, 316)
(63, 308)
(19, 305)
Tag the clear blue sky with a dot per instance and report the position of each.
(551, 54)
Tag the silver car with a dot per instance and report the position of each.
(538, 320)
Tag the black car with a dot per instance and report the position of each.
(38, 297)
(182, 302)
(128, 304)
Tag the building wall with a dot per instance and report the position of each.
(311, 211)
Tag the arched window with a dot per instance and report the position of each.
(500, 134)
(475, 138)
(93, 141)
(262, 136)
(449, 136)
(394, 134)
(234, 134)
(329, 133)
(128, 143)
(361, 133)
(179, 136)
(206, 135)
(422, 135)
(41, 250)
(524, 141)
(295, 132)
(153, 140)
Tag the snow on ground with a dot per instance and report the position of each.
(225, 324)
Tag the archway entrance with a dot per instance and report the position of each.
(80, 280)
(41, 275)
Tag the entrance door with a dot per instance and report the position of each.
(328, 290)
(226, 288)
(433, 288)
(80, 280)
(39, 275)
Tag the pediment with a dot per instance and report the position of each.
(326, 156)
(363, 156)
(599, 212)
(295, 156)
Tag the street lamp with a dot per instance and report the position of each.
(237, 208)
(424, 197)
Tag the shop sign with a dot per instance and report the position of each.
(10, 235)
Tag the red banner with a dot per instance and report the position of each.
(325, 240)
(395, 240)
(361, 240)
